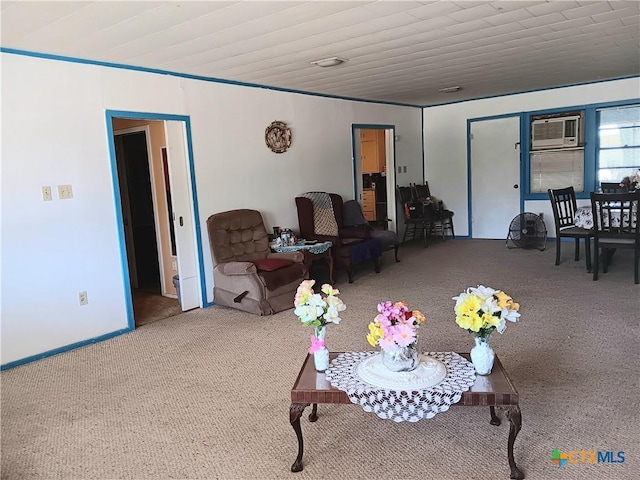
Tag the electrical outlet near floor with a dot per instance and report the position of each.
(174, 265)
(83, 298)
(64, 192)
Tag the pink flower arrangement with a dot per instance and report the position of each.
(395, 326)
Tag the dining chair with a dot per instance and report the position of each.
(611, 187)
(421, 191)
(416, 217)
(616, 225)
(563, 203)
(442, 218)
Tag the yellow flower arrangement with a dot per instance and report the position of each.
(481, 310)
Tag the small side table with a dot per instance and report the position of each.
(312, 253)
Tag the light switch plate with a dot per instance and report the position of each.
(46, 193)
(64, 192)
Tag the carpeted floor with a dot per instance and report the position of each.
(149, 307)
(205, 395)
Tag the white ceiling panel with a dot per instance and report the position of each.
(474, 11)
(434, 9)
(397, 51)
(588, 8)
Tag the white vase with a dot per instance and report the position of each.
(402, 359)
(321, 356)
(482, 355)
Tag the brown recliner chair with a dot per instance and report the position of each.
(351, 246)
(246, 274)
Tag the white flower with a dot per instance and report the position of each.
(316, 300)
(313, 309)
(482, 291)
(335, 306)
(510, 315)
(308, 313)
(490, 305)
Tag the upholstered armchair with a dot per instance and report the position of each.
(353, 216)
(351, 245)
(246, 274)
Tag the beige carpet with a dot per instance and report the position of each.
(205, 395)
(149, 307)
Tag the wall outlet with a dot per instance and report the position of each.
(64, 192)
(83, 298)
(174, 265)
(46, 193)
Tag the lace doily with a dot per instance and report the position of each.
(315, 248)
(427, 374)
(402, 405)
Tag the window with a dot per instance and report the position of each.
(557, 169)
(556, 157)
(619, 143)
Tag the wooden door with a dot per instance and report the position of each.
(369, 152)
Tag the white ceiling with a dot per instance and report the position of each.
(397, 51)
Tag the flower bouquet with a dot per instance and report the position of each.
(395, 330)
(481, 310)
(631, 182)
(313, 309)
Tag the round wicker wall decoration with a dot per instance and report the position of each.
(277, 136)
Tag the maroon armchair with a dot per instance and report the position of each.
(351, 245)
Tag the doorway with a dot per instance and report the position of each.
(374, 173)
(165, 192)
(152, 300)
(494, 172)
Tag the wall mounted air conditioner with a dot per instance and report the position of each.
(559, 132)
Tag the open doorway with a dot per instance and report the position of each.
(374, 173)
(146, 215)
(178, 173)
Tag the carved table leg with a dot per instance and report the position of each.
(295, 412)
(313, 416)
(494, 418)
(515, 419)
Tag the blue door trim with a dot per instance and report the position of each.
(109, 116)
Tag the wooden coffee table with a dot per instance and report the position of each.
(494, 390)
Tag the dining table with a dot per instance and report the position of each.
(583, 217)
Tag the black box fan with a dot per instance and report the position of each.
(527, 230)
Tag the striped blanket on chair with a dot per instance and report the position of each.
(324, 218)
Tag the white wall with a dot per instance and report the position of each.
(54, 132)
(445, 137)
